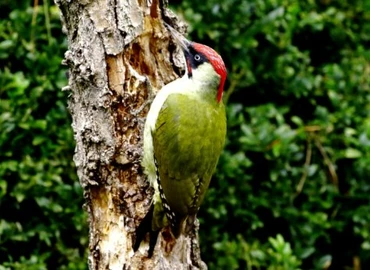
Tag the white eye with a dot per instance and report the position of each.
(197, 57)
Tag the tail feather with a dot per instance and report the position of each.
(141, 231)
(153, 235)
(176, 227)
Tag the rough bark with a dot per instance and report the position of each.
(116, 50)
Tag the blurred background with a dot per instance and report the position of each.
(292, 189)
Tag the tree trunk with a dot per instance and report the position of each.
(117, 49)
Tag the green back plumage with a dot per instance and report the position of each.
(188, 139)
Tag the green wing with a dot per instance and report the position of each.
(188, 140)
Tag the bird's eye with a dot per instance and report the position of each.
(197, 57)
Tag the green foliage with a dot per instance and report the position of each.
(276, 254)
(292, 187)
(297, 159)
(42, 225)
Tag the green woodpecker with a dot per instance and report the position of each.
(184, 135)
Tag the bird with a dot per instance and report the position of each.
(184, 135)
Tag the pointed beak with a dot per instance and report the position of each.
(183, 42)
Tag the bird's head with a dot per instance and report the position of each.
(202, 62)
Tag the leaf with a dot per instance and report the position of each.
(352, 153)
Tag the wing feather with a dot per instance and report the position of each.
(188, 140)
